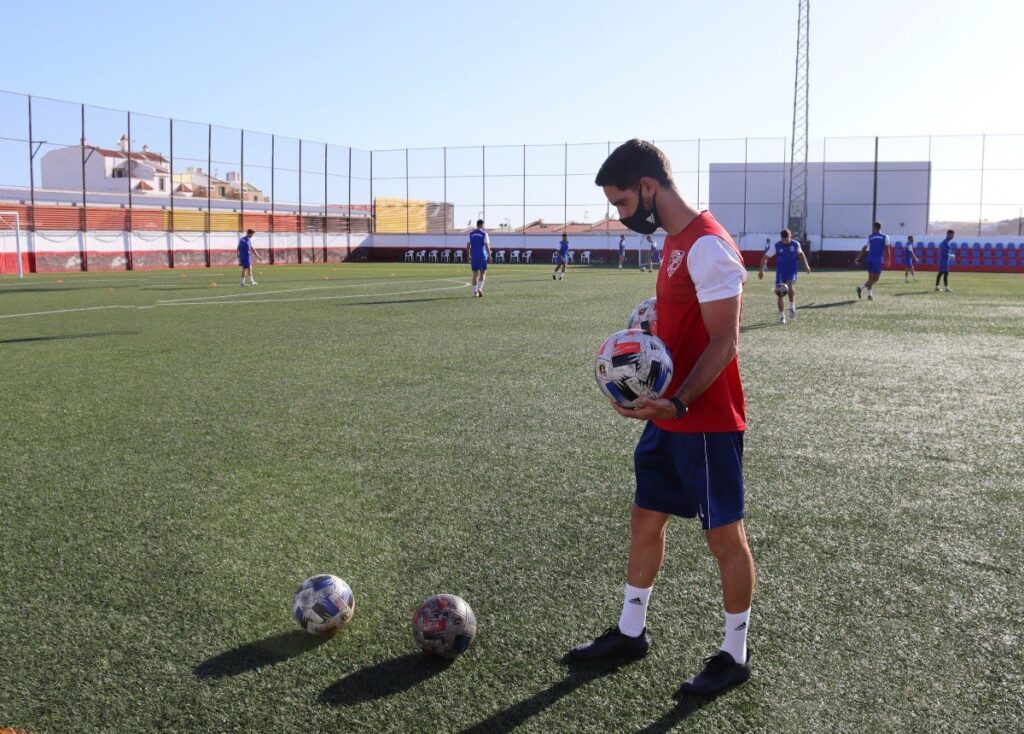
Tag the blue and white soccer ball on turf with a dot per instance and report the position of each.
(633, 364)
(781, 289)
(645, 316)
(323, 605)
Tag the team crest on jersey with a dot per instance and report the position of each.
(675, 261)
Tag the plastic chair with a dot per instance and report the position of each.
(421, 256)
(527, 256)
(554, 256)
(585, 257)
(446, 256)
(514, 257)
(433, 256)
(458, 256)
(410, 256)
(571, 256)
(499, 256)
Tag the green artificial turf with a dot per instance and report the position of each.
(178, 457)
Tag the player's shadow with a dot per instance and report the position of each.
(833, 304)
(516, 715)
(912, 293)
(259, 654)
(686, 705)
(383, 679)
(759, 325)
(66, 336)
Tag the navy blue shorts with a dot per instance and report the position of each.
(478, 263)
(875, 266)
(784, 276)
(244, 262)
(690, 474)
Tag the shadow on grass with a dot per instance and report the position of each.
(686, 705)
(259, 654)
(66, 336)
(912, 293)
(516, 715)
(761, 325)
(833, 304)
(383, 679)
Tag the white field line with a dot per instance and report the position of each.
(246, 293)
(460, 285)
(204, 302)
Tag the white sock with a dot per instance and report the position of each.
(792, 305)
(634, 611)
(736, 635)
(480, 287)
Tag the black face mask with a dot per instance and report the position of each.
(643, 220)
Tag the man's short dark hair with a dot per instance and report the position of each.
(250, 231)
(631, 161)
(785, 233)
(479, 223)
(950, 233)
(878, 225)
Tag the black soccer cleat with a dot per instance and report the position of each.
(720, 673)
(858, 291)
(612, 645)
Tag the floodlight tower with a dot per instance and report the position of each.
(798, 154)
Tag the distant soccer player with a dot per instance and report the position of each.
(653, 254)
(909, 258)
(689, 461)
(245, 252)
(788, 254)
(944, 259)
(479, 252)
(561, 258)
(622, 250)
(876, 248)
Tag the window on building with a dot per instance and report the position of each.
(222, 191)
(161, 182)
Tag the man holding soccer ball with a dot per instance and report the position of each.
(689, 459)
(788, 254)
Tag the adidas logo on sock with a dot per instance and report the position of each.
(742, 626)
(635, 600)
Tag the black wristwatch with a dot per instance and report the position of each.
(680, 407)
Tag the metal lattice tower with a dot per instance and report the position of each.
(798, 153)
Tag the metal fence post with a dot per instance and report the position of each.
(483, 180)
(743, 227)
(170, 225)
(565, 188)
(524, 195)
(130, 223)
(273, 195)
(874, 188)
(373, 223)
(209, 187)
(348, 224)
(444, 179)
(981, 189)
(298, 235)
(325, 202)
(241, 182)
(824, 157)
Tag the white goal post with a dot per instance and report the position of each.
(11, 219)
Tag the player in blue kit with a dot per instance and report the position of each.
(479, 252)
(876, 248)
(622, 250)
(909, 258)
(944, 259)
(788, 254)
(245, 252)
(561, 259)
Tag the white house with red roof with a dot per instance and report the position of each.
(109, 170)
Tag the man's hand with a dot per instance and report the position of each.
(647, 410)
(760, 274)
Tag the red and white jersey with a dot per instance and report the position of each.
(698, 265)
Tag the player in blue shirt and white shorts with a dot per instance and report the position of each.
(788, 255)
(909, 258)
(876, 248)
(622, 250)
(479, 251)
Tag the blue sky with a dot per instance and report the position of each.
(386, 75)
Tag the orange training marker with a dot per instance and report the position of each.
(213, 284)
